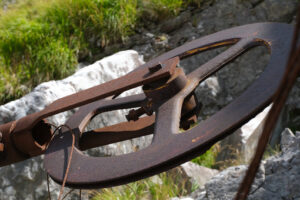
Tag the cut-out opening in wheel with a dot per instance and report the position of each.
(217, 90)
(111, 134)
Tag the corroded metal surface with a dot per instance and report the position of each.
(169, 102)
(168, 147)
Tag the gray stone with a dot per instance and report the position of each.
(291, 117)
(199, 175)
(288, 140)
(231, 178)
(191, 175)
(278, 177)
(175, 23)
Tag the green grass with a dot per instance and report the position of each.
(271, 151)
(196, 3)
(159, 9)
(168, 186)
(42, 40)
(171, 185)
(208, 159)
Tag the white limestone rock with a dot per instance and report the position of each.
(244, 140)
(27, 180)
(199, 175)
(101, 71)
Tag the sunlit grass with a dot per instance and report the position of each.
(162, 186)
(42, 40)
(208, 159)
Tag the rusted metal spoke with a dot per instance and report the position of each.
(83, 116)
(129, 81)
(222, 59)
(117, 133)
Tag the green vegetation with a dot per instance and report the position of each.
(163, 187)
(171, 184)
(271, 151)
(196, 3)
(167, 185)
(42, 40)
(208, 159)
(159, 9)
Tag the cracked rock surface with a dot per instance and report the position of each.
(277, 179)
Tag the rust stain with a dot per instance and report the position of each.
(219, 44)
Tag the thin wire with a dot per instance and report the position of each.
(48, 181)
(69, 161)
(48, 186)
(67, 194)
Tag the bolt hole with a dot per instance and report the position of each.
(42, 133)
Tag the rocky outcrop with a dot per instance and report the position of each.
(278, 176)
(27, 180)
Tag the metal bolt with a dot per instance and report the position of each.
(155, 68)
(135, 114)
(145, 109)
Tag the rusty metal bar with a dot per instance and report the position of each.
(117, 133)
